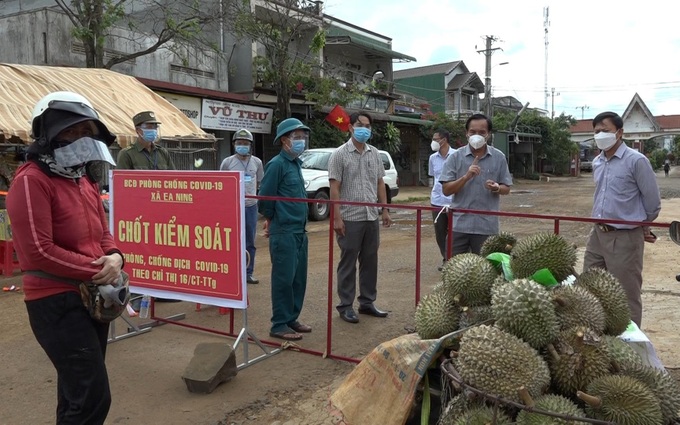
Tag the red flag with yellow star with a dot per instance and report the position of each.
(339, 118)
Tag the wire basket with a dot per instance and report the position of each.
(453, 378)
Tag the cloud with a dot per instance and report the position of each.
(600, 53)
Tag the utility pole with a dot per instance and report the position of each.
(546, 24)
(583, 108)
(553, 94)
(488, 51)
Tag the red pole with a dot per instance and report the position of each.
(556, 229)
(329, 309)
(419, 220)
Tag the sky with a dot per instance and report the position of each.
(600, 52)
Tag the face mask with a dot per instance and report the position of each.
(150, 135)
(242, 150)
(362, 134)
(605, 140)
(298, 146)
(434, 146)
(476, 141)
(82, 151)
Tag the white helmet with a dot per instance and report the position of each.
(69, 109)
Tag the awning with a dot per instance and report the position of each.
(368, 46)
(116, 97)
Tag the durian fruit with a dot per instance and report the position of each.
(543, 251)
(552, 403)
(471, 316)
(499, 363)
(468, 278)
(525, 309)
(577, 358)
(502, 242)
(458, 406)
(621, 354)
(482, 416)
(608, 290)
(622, 400)
(575, 306)
(436, 315)
(663, 386)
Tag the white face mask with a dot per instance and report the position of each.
(604, 140)
(434, 146)
(476, 141)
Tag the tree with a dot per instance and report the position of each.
(291, 37)
(169, 24)
(456, 129)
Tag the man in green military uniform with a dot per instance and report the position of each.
(145, 153)
(285, 228)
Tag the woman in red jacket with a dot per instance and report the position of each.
(60, 230)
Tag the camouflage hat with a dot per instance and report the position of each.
(146, 116)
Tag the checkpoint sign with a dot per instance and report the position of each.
(181, 233)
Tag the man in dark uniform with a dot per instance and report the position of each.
(285, 228)
(145, 153)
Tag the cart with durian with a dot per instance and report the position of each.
(529, 341)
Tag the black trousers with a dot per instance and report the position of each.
(76, 345)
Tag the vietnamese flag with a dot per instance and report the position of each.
(339, 118)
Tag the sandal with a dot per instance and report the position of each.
(300, 327)
(288, 335)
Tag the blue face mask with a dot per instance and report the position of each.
(298, 146)
(242, 150)
(362, 134)
(150, 135)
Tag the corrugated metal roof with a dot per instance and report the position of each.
(441, 68)
(116, 97)
(466, 79)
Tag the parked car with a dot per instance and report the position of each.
(315, 174)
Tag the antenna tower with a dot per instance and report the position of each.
(546, 25)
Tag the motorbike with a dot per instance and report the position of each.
(675, 237)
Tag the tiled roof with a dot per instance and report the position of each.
(440, 68)
(582, 126)
(666, 122)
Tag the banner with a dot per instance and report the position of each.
(218, 115)
(182, 234)
(190, 106)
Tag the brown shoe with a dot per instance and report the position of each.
(300, 327)
(287, 334)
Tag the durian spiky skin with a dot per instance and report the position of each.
(575, 306)
(662, 385)
(555, 404)
(456, 407)
(611, 295)
(471, 316)
(436, 315)
(624, 401)
(622, 355)
(468, 278)
(525, 309)
(499, 363)
(502, 242)
(482, 416)
(583, 357)
(543, 251)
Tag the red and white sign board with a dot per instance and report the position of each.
(182, 234)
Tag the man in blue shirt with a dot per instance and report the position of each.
(477, 174)
(442, 150)
(625, 189)
(285, 228)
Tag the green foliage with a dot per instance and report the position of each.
(325, 135)
(676, 148)
(657, 158)
(556, 144)
(386, 137)
(455, 128)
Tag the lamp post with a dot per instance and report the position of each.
(487, 86)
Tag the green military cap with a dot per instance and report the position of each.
(146, 116)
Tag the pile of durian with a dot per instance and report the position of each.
(554, 348)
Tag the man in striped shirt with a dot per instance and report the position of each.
(356, 173)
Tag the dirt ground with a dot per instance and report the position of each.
(292, 388)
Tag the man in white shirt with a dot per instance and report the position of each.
(442, 150)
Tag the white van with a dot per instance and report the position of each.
(315, 174)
